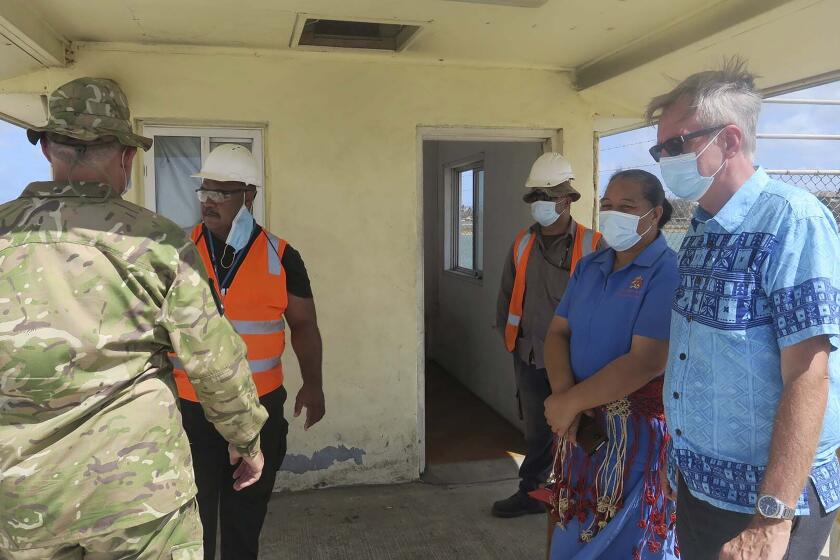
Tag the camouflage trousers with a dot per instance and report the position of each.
(177, 536)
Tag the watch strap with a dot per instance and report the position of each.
(787, 512)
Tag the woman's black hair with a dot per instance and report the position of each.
(651, 189)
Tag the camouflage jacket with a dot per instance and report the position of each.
(94, 291)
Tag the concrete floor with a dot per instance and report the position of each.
(422, 521)
(473, 456)
(411, 521)
(446, 516)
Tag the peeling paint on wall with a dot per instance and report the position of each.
(321, 460)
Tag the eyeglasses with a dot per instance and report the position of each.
(216, 196)
(674, 146)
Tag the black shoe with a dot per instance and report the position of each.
(517, 505)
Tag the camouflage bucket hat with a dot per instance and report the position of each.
(88, 109)
(557, 191)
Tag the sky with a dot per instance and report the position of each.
(21, 162)
(467, 188)
(630, 149)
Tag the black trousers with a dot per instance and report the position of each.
(533, 387)
(703, 529)
(240, 515)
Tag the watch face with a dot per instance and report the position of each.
(769, 507)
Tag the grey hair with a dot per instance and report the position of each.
(718, 97)
(77, 153)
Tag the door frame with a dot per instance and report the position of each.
(552, 141)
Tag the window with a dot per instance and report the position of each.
(20, 162)
(178, 153)
(465, 186)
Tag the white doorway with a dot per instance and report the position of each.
(472, 187)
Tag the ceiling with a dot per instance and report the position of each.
(619, 50)
(560, 34)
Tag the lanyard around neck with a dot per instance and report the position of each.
(226, 279)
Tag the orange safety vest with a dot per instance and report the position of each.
(254, 304)
(586, 241)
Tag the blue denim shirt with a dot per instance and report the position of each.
(761, 275)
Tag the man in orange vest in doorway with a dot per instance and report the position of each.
(541, 262)
(262, 285)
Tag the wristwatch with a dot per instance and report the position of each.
(772, 507)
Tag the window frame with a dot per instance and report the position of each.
(452, 187)
(205, 133)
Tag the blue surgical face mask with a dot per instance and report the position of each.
(620, 229)
(545, 212)
(682, 177)
(240, 229)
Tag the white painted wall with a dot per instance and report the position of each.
(342, 168)
(461, 313)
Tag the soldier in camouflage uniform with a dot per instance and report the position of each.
(94, 291)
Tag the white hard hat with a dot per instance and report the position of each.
(231, 162)
(549, 170)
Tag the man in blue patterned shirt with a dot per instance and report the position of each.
(752, 389)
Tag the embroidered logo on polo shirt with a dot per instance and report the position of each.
(633, 288)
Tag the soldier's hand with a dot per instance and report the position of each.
(311, 398)
(249, 469)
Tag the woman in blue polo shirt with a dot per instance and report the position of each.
(605, 353)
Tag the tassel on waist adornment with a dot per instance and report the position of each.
(593, 488)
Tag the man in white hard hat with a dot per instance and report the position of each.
(263, 284)
(542, 259)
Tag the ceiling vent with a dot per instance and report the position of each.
(336, 34)
(514, 3)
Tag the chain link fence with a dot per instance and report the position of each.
(824, 184)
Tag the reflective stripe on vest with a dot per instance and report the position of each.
(521, 252)
(520, 248)
(588, 235)
(259, 327)
(254, 303)
(585, 242)
(275, 265)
